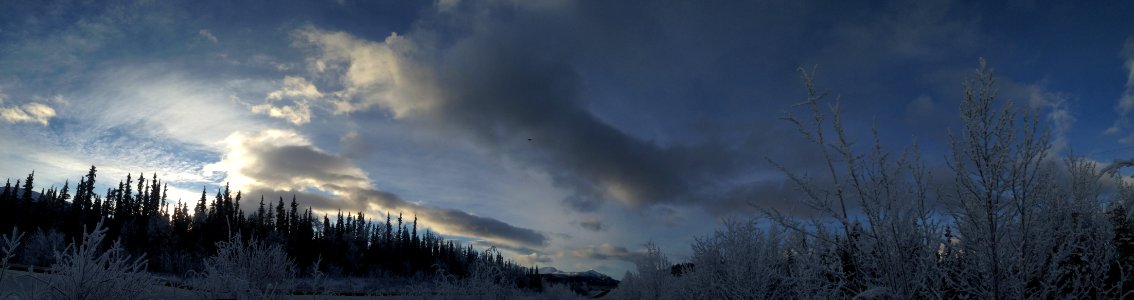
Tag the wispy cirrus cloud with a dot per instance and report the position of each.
(208, 35)
(1125, 103)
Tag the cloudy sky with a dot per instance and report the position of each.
(567, 133)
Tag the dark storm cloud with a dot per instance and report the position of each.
(607, 252)
(593, 225)
(527, 82)
(531, 108)
(509, 83)
(456, 221)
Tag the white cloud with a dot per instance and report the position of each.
(1125, 101)
(296, 87)
(1059, 116)
(208, 35)
(298, 113)
(296, 93)
(59, 100)
(371, 73)
(28, 113)
(535, 258)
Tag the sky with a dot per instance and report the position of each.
(568, 134)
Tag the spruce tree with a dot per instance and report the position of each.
(293, 217)
(281, 217)
(261, 217)
(27, 197)
(199, 212)
(7, 190)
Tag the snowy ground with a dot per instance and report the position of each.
(28, 285)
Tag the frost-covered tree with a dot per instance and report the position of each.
(997, 160)
(879, 202)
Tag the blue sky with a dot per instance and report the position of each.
(567, 133)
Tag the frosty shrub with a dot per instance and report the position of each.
(486, 281)
(252, 270)
(82, 271)
(40, 246)
(558, 292)
(314, 281)
(653, 279)
(739, 262)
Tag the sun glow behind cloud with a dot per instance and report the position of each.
(284, 162)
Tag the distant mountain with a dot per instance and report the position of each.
(587, 273)
(589, 282)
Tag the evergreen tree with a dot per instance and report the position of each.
(326, 227)
(239, 218)
(281, 217)
(199, 212)
(389, 236)
(7, 190)
(137, 206)
(64, 195)
(400, 241)
(293, 217)
(415, 243)
(261, 218)
(127, 196)
(27, 198)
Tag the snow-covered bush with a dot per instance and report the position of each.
(653, 279)
(739, 262)
(314, 281)
(486, 280)
(252, 270)
(40, 248)
(558, 292)
(82, 271)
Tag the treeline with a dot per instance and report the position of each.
(177, 237)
